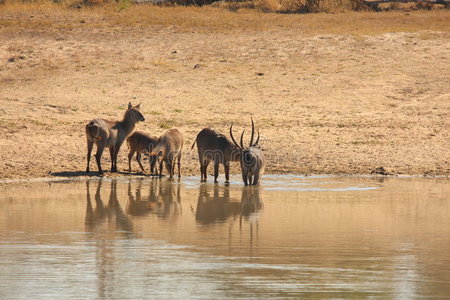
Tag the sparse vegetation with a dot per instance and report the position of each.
(102, 13)
(280, 6)
(166, 124)
(154, 113)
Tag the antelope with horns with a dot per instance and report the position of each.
(168, 149)
(252, 158)
(214, 146)
(141, 142)
(110, 134)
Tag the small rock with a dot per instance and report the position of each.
(198, 66)
(260, 74)
(11, 59)
(381, 171)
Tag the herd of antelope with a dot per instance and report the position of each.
(167, 149)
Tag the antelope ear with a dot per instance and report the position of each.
(138, 106)
(129, 105)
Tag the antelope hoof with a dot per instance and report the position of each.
(227, 183)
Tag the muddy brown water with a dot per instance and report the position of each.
(293, 237)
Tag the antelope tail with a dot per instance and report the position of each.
(93, 130)
(192, 147)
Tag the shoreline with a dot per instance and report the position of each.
(210, 180)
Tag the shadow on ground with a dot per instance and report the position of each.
(72, 174)
(83, 174)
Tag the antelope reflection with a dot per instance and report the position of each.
(104, 238)
(104, 221)
(163, 199)
(219, 206)
(101, 213)
(139, 206)
(251, 201)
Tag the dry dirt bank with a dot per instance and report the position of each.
(325, 103)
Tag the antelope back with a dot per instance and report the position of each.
(212, 143)
(171, 142)
(141, 141)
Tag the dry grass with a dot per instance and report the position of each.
(46, 15)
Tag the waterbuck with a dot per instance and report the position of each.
(141, 142)
(169, 148)
(214, 146)
(110, 134)
(252, 158)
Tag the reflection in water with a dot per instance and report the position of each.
(137, 205)
(113, 211)
(314, 237)
(163, 200)
(105, 239)
(216, 207)
(251, 201)
(167, 198)
(219, 206)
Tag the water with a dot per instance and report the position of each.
(293, 237)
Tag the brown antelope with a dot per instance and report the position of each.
(169, 148)
(110, 134)
(141, 142)
(214, 146)
(252, 158)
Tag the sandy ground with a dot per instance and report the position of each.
(324, 104)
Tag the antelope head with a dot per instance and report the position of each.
(134, 113)
(241, 145)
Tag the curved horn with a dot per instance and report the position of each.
(253, 133)
(232, 138)
(257, 140)
(242, 137)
